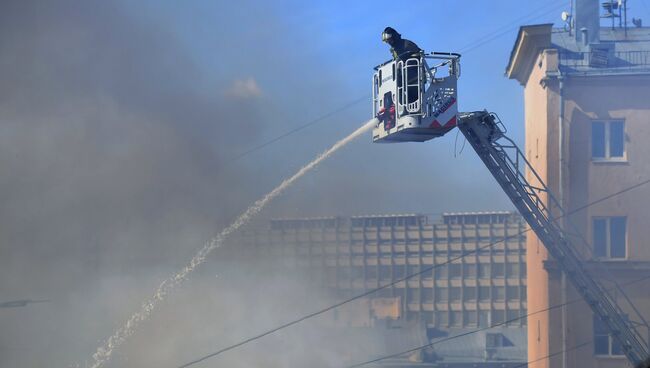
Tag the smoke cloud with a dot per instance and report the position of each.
(115, 147)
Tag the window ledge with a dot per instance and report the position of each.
(613, 357)
(600, 161)
(605, 260)
(615, 265)
(629, 265)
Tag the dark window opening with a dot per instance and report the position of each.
(609, 237)
(608, 140)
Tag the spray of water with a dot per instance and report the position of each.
(105, 351)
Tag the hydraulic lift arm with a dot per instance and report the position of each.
(503, 158)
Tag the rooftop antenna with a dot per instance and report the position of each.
(624, 3)
(567, 18)
(616, 9)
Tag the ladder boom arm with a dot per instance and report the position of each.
(535, 202)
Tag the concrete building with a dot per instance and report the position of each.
(587, 121)
(483, 284)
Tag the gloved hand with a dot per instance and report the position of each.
(381, 114)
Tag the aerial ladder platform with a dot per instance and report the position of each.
(416, 100)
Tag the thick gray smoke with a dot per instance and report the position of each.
(114, 148)
(122, 335)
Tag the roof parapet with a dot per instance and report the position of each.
(530, 40)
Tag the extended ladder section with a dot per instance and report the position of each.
(503, 158)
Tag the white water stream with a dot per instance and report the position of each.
(104, 352)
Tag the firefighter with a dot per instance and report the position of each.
(403, 49)
(400, 48)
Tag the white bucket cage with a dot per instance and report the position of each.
(414, 101)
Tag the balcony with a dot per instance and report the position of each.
(605, 61)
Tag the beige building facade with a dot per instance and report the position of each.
(587, 122)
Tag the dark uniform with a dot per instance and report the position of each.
(400, 48)
(403, 49)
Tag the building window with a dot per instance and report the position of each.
(384, 272)
(398, 271)
(455, 319)
(440, 272)
(512, 292)
(371, 272)
(604, 343)
(483, 318)
(498, 270)
(484, 293)
(512, 317)
(484, 270)
(442, 294)
(512, 269)
(469, 270)
(384, 293)
(470, 318)
(357, 272)
(609, 237)
(412, 270)
(498, 317)
(413, 295)
(442, 319)
(608, 140)
(427, 318)
(454, 271)
(470, 293)
(493, 340)
(427, 295)
(498, 293)
(454, 294)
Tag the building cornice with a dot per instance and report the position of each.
(529, 41)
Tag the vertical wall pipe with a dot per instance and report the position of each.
(561, 200)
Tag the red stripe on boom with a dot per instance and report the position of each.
(435, 124)
(451, 122)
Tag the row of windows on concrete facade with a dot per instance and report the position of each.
(439, 272)
(318, 238)
(476, 318)
(458, 294)
(609, 240)
(351, 222)
(470, 318)
(396, 250)
(429, 234)
(394, 221)
(401, 251)
(461, 314)
(469, 297)
(399, 224)
(453, 295)
(289, 247)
